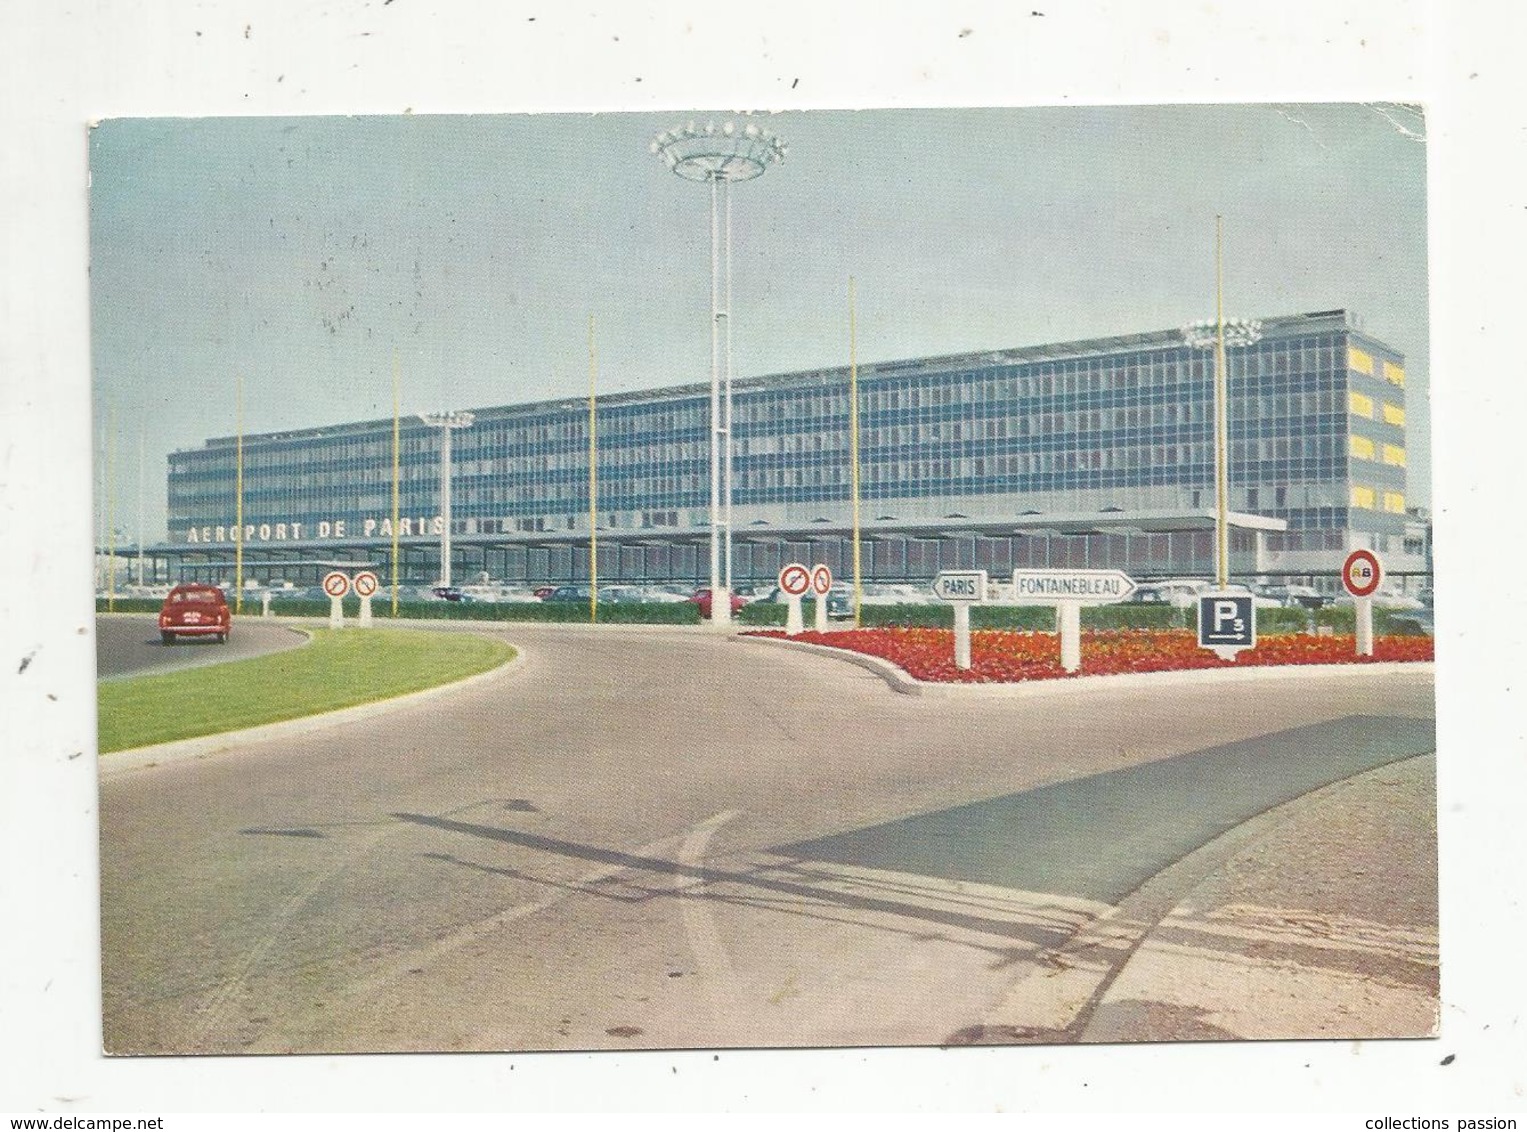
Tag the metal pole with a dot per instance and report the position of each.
(238, 508)
(1221, 418)
(111, 510)
(726, 314)
(140, 505)
(853, 443)
(593, 487)
(396, 477)
(445, 505)
(715, 403)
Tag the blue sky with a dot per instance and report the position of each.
(306, 253)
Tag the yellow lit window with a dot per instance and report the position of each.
(1395, 502)
(1393, 414)
(1358, 405)
(1394, 373)
(1358, 360)
(1360, 446)
(1363, 496)
(1393, 454)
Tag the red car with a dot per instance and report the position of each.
(195, 610)
(702, 599)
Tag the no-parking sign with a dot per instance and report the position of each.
(365, 584)
(336, 583)
(821, 580)
(794, 579)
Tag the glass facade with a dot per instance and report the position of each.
(993, 442)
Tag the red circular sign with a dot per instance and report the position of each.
(821, 581)
(336, 583)
(1361, 573)
(365, 583)
(795, 579)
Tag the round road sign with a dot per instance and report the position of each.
(336, 583)
(821, 581)
(1361, 573)
(365, 583)
(794, 579)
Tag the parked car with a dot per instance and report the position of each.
(898, 594)
(1180, 593)
(1295, 596)
(702, 598)
(448, 593)
(543, 592)
(1258, 601)
(621, 595)
(193, 609)
(568, 593)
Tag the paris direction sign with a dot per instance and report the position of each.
(1083, 587)
(967, 586)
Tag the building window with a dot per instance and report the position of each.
(1393, 414)
(1394, 455)
(1359, 360)
(1395, 374)
(1363, 497)
(1394, 503)
(1359, 405)
(1360, 447)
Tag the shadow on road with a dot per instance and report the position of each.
(754, 884)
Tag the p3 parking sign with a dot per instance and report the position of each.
(1227, 623)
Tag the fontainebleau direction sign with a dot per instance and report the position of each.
(1086, 587)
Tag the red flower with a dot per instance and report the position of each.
(1005, 656)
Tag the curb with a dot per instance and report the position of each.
(201, 746)
(1056, 1002)
(907, 685)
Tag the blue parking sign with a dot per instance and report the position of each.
(1227, 623)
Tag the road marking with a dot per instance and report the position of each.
(364, 989)
(715, 967)
(214, 1011)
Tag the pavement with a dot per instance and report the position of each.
(669, 839)
(128, 644)
(1317, 919)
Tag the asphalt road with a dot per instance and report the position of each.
(129, 645)
(667, 838)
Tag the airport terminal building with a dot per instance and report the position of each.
(1096, 453)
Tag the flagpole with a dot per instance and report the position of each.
(238, 508)
(396, 459)
(593, 485)
(853, 443)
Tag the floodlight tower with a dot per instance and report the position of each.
(1220, 333)
(447, 422)
(718, 156)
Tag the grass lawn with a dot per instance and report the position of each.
(337, 669)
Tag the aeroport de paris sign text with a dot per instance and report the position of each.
(325, 529)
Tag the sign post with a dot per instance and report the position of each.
(962, 589)
(821, 585)
(365, 584)
(794, 580)
(336, 583)
(1068, 591)
(1361, 575)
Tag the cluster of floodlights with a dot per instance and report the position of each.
(727, 152)
(1238, 332)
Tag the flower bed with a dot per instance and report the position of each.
(1004, 657)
